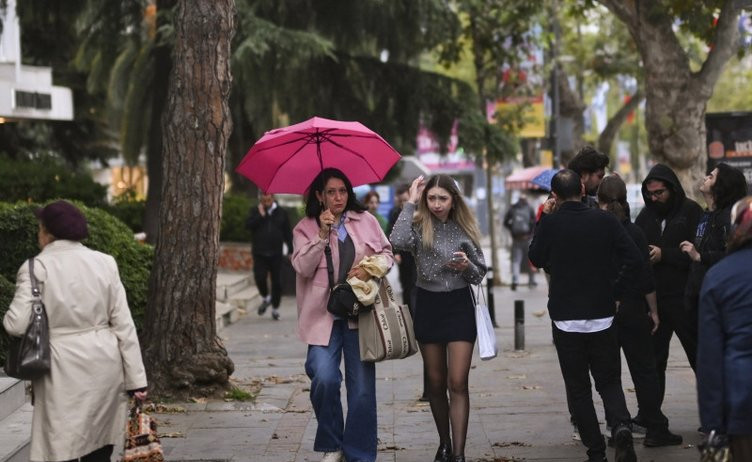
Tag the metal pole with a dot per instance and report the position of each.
(519, 325)
(490, 296)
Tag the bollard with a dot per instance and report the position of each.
(519, 325)
(490, 296)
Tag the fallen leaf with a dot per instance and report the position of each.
(517, 377)
(531, 387)
(506, 444)
(171, 435)
(539, 313)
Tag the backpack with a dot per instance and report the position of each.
(520, 223)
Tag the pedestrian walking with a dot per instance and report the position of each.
(444, 239)
(578, 246)
(372, 201)
(721, 188)
(724, 356)
(335, 218)
(520, 221)
(668, 219)
(637, 318)
(270, 229)
(80, 405)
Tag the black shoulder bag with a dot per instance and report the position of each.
(29, 356)
(342, 300)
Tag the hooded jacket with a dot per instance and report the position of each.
(681, 225)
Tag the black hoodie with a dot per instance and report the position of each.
(681, 225)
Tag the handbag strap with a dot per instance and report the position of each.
(478, 294)
(329, 265)
(34, 283)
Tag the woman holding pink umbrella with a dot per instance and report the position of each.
(336, 219)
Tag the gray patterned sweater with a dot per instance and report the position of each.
(433, 274)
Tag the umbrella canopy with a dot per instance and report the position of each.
(286, 160)
(523, 179)
(543, 180)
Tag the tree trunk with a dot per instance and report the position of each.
(676, 97)
(160, 85)
(492, 226)
(183, 354)
(606, 138)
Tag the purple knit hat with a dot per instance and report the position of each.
(63, 220)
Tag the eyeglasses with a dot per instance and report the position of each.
(656, 193)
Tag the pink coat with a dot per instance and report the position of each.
(312, 280)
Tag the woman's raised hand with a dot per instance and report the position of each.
(326, 220)
(416, 189)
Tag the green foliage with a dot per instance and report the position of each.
(18, 242)
(235, 210)
(238, 394)
(7, 290)
(46, 178)
(130, 211)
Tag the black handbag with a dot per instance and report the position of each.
(342, 300)
(29, 356)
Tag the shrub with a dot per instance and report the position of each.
(235, 210)
(18, 242)
(130, 211)
(6, 296)
(46, 178)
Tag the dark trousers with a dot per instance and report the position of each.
(102, 454)
(407, 277)
(271, 266)
(598, 354)
(673, 318)
(633, 333)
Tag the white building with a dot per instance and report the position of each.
(26, 92)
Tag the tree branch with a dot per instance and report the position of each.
(624, 10)
(606, 138)
(725, 44)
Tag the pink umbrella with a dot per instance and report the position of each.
(286, 160)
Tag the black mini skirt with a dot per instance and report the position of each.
(443, 317)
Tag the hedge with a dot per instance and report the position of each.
(6, 296)
(45, 178)
(18, 242)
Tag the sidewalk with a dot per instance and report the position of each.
(518, 408)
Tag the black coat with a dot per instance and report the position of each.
(270, 231)
(681, 224)
(711, 244)
(577, 245)
(637, 285)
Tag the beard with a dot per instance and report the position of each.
(663, 208)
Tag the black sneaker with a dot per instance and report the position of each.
(624, 445)
(664, 438)
(514, 286)
(262, 308)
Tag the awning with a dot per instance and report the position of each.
(523, 179)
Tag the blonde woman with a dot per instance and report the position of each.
(444, 238)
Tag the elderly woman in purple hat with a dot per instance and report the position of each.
(80, 406)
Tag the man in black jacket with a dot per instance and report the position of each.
(270, 228)
(578, 246)
(669, 218)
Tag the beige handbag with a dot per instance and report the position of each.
(386, 331)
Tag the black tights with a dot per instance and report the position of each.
(448, 366)
(102, 454)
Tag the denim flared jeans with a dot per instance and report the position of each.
(355, 436)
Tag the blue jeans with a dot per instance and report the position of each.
(357, 435)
